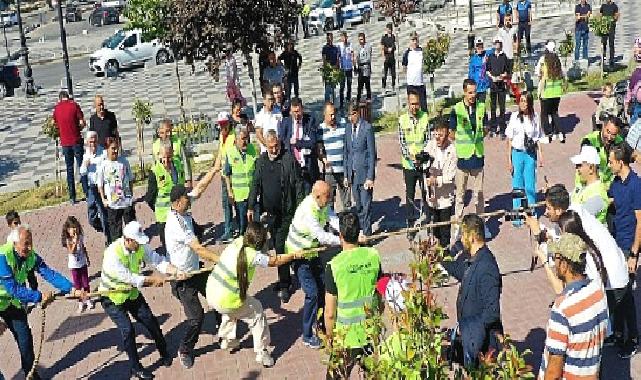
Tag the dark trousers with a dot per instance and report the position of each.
(422, 95)
(187, 293)
(141, 312)
(480, 96)
(497, 98)
(363, 81)
(310, 276)
(363, 203)
(411, 177)
(16, 320)
(292, 81)
(623, 311)
(389, 66)
(346, 83)
(71, 152)
(96, 212)
(228, 213)
(354, 356)
(550, 108)
(278, 229)
(116, 218)
(161, 233)
(524, 32)
(442, 233)
(608, 40)
(305, 26)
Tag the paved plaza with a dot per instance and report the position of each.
(85, 346)
(27, 156)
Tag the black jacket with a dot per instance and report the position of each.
(291, 182)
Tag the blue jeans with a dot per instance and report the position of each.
(581, 38)
(524, 175)
(330, 93)
(636, 112)
(363, 203)
(16, 320)
(96, 213)
(227, 211)
(310, 277)
(71, 152)
(141, 312)
(292, 81)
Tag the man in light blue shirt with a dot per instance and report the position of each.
(347, 65)
(331, 143)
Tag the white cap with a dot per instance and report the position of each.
(479, 41)
(497, 39)
(392, 288)
(550, 46)
(588, 154)
(133, 230)
(223, 117)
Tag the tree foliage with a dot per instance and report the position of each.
(147, 15)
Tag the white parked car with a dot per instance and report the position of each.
(127, 49)
(322, 16)
(9, 18)
(118, 4)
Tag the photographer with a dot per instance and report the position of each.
(413, 135)
(524, 133)
(440, 181)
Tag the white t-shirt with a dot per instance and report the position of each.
(268, 121)
(91, 163)
(516, 130)
(78, 258)
(415, 67)
(115, 177)
(507, 38)
(179, 233)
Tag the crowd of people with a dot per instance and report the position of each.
(298, 185)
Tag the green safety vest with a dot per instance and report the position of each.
(222, 285)
(299, 236)
(355, 274)
(19, 274)
(552, 89)
(414, 134)
(165, 183)
(225, 146)
(582, 193)
(242, 171)
(307, 9)
(605, 173)
(469, 141)
(176, 143)
(110, 281)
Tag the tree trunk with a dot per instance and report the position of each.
(140, 147)
(431, 79)
(250, 71)
(57, 173)
(181, 96)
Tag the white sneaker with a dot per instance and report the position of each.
(560, 137)
(89, 304)
(488, 234)
(229, 344)
(81, 308)
(552, 138)
(545, 140)
(265, 359)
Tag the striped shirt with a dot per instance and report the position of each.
(334, 141)
(577, 327)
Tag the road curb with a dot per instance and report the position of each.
(50, 60)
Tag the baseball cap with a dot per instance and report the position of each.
(177, 192)
(588, 154)
(550, 46)
(391, 289)
(478, 41)
(223, 117)
(497, 39)
(133, 230)
(569, 246)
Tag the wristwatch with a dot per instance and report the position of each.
(542, 237)
(633, 254)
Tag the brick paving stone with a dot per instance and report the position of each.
(85, 346)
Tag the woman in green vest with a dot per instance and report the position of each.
(228, 284)
(550, 92)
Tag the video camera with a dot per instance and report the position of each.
(524, 208)
(424, 160)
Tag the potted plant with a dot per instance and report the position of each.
(331, 75)
(50, 129)
(141, 111)
(434, 55)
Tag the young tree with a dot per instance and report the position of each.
(197, 29)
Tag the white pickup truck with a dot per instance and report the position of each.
(127, 48)
(118, 4)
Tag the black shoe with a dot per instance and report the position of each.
(613, 341)
(284, 295)
(166, 360)
(629, 350)
(186, 359)
(141, 374)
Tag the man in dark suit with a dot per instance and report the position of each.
(478, 306)
(360, 165)
(298, 133)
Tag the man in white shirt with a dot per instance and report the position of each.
(184, 252)
(413, 66)
(268, 119)
(507, 34)
(114, 180)
(347, 65)
(91, 161)
(121, 270)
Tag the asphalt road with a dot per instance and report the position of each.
(51, 75)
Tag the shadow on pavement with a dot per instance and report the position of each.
(534, 341)
(75, 324)
(568, 123)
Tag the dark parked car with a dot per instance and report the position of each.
(104, 16)
(73, 13)
(9, 79)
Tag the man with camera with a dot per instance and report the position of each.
(413, 135)
(440, 182)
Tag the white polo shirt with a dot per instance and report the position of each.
(179, 233)
(268, 121)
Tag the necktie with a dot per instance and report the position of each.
(296, 135)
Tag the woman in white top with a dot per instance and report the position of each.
(523, 149)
